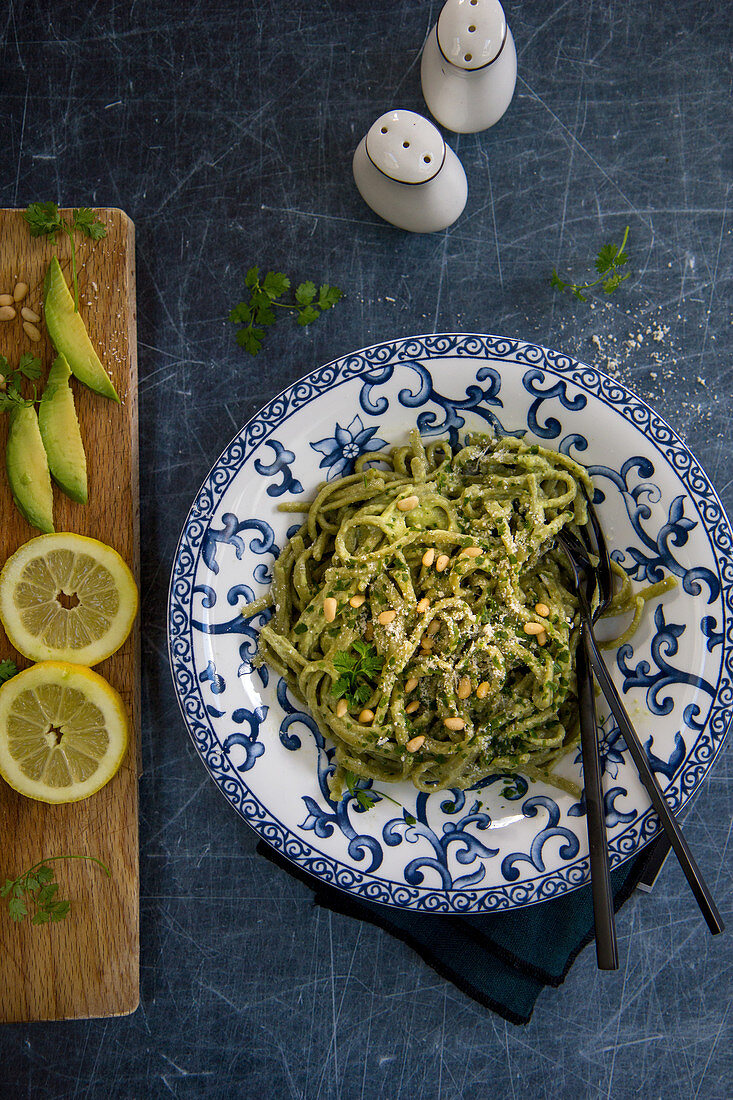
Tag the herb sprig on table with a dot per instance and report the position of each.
(44, 220)
(358, 672)
(36, 887)
(257, 312)
(10, 380)
(609, 261)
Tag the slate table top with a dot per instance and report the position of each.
(226, 130)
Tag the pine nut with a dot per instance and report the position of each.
(415, 744)
(412, 707)
(366, 716)
(386, 617)
(454, 724)
(542, 638)
(6, 299)
(464, 688)
(442, 563)
(482, 690)
(471, 552)
(341, 708)
(29, 315)
(329, 609)
(411, 684)
(433, 627)
(31, 331)
(21, 289)
(533, 628)
(3, 384)
(423, 605)
(426, 642)
(358, 600)
(543, 610)
(6, 313)
(408, 503)
(428, 557)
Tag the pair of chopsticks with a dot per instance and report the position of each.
(589, 579)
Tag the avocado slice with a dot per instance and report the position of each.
(69, 335)
(60, 433)
(27, 465)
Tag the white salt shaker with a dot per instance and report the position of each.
(469, 66)
(408, 175)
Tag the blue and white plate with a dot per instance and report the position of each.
(508, 842)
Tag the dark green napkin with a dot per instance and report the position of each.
(502, 960)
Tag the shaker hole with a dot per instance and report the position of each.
(385, 129)
(474, 3)
(471, 29)
(405, 145)
(427, 159)
(467, 57)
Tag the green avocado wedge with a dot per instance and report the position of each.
(60, 433)
(69, 335)
(27, 466)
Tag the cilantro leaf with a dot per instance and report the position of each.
(87, 221)
(29, 366)
(307, 316)
(275, 284)
(37, 883)
(359, 672)
(256, 312)
(328, 296)
(43, 219)
(250, 339)
(8, 669)
(609, 259)
(305, 293)
(17, 908)
(606, 258)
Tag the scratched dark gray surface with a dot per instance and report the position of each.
(225, 129)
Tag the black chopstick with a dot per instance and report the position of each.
(603, 916)
(684, 855)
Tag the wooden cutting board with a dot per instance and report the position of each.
(88, 964)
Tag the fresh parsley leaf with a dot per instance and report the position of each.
(305, 293)
(359, 671)
(17, 908)
(328, 296)
(308, 315)
(44, 220)
(37, 884)
(29, 366)
(257, 312)
(8, 669)
(250, 339)
(609, 259)
(275, 284)
(89, 224)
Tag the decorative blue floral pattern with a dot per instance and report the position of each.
(503, 844)
(341, 450)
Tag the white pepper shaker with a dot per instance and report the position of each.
(469, 66)
(408, 175)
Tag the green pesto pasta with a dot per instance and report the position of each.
(441, 565)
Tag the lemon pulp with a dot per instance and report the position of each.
(63, 732)
(67, 597)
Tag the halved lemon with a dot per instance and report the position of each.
(65, 597)
(63, 732)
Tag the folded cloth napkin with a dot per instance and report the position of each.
(503, 960)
